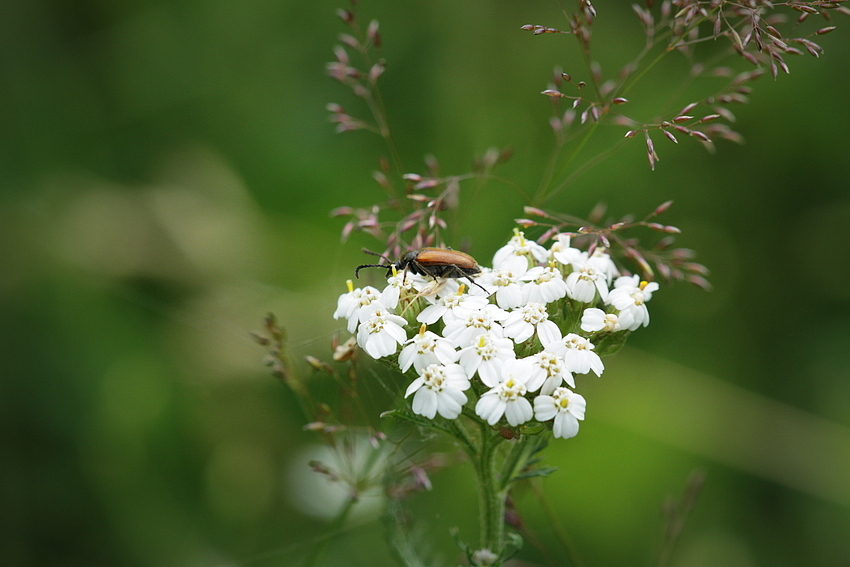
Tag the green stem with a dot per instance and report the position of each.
(491, 497)
(320, 547)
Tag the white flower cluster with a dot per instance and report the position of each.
(516, 335)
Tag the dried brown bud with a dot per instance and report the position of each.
(688, 108)
(259, 339)
(428, 183)
(376, 71)
(696, 268)
(319, 365)
(804, 8)
(549, 234)
(407, 224)
(372, 33)
(349, 40)
(381, 179)
(650, 147)
(553, 93)
(595, 113)
(535, 211)
(664, 243)
(341, 211)
(630, 134)
(662, 208)
(346, 16)
(700, 282)
(556, 124)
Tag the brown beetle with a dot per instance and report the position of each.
(434, 262)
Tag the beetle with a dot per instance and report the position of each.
(434, 262)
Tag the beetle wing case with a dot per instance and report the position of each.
(433, 262)
(441, 263)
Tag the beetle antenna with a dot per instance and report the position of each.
(357, 271)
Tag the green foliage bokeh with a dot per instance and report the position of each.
(166, 173)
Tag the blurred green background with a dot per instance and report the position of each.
(167, 172)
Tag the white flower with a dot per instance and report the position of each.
(594, 320)
(603, 262)
(508, 396)
(381, 334)
(565, 406)
(562, 252)
(577, 353)
(553, 371)
(507, 285)
(395, 284)
(521, 324)
(630, 296)
(561, 242)
(586, 280)
(515, 255)
(439, 389)
(426, 348)
(451, 308)
(484, 320)
(486, 355)
(357, 304)
(544, 284)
